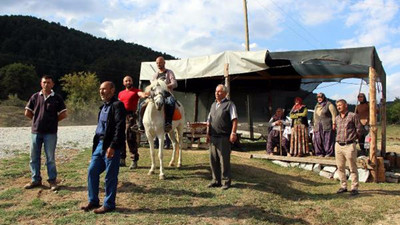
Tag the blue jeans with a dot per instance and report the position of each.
(49, 141)
(98, 165)
(169, 108)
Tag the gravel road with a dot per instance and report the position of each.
(14, 140)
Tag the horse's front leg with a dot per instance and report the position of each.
(160, 155)
(152, 155)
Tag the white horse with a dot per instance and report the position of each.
(153, 121)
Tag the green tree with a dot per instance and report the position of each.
(19, 79)
(83, 98)
(393, 112)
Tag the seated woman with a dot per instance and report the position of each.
(275, 136)
(299, 136)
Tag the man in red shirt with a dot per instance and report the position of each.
(130, 97)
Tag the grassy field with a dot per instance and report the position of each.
(262, 193)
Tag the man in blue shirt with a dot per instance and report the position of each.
(107, 144)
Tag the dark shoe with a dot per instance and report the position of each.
(89, 207)
(33, 184)
(168, 127)
(341, 190)
(53, 185)
(102, 210)
(133, 165)
(225, 187)
(354, 192)
(212, 185)
(122, 163)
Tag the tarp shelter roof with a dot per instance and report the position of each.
(309, 67)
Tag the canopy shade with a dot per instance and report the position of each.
(305, 68)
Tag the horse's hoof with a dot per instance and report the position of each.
(162, 177)
(179, 165)
(171, 164)
(150, 173)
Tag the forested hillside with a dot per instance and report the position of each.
(57, 50)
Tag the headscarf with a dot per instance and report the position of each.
(276, 117)
(297, 107)
(324, 101)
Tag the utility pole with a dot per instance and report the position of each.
(246, 25)
(249, 106)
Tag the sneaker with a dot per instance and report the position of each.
(354, 192)
(341, 190)
(33, 184)
(168, 127)
(135, 128)
(133, 165)
(53, 185)
(122, 163)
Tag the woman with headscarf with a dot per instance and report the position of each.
(324, 127)
(362, 110)
(275, 136)
(299, 136)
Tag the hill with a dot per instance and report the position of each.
(57, 50)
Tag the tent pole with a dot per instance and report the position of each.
(372, 122)
(383, 116)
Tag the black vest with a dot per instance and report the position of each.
(220, 119)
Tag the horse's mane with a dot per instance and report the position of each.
(155, 83)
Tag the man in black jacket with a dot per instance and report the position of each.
(107, 143)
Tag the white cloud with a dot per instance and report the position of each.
(373, 22)
(390, 56)
(312, 13)
(393, 87)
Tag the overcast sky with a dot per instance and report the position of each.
(187, 28)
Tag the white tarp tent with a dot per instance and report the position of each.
(209, 66)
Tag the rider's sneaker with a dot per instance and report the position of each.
(135, 128)
(168, 127)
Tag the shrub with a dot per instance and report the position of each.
(83, 98)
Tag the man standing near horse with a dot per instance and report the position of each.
(221, 132)
(45, 108)
(130, 97)
(107, 144)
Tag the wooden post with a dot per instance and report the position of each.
(196, 107)
(227, 81)
(372, 122)
(249, 117)
(383, 116)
